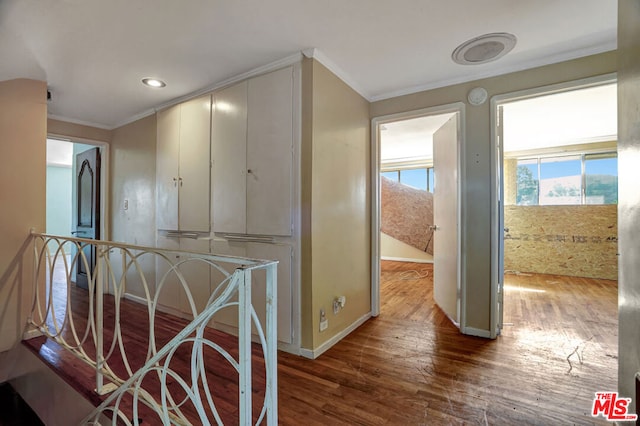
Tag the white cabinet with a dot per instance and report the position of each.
(173, 296)
(183, 166)
(252, 156)
(280, 252)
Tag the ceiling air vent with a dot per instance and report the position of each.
(483, 49)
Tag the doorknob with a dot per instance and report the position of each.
(433, 227)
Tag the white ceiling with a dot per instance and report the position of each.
(93, 53)
(583, 116)
(567, 118)
(410, 140)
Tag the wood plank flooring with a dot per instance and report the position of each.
(411, 366)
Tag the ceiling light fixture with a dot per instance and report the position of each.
(483, 49)
(153, 82)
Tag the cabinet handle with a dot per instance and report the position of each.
(175, 181)
(180, 179)
(249, 171)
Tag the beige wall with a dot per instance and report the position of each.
(23, 115)
(628, 194)
(77, 131)
(336, 198)
(133, 177)
(477, 153)
(578, 241)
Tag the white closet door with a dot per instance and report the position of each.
(281, 253)
(196, 274)
(168, 151)
(270, 153)
(229, 156)
(195, 145)
(169, 296)
(227, 316)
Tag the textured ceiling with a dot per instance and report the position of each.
(93, 53)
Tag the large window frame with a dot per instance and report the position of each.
(583, 157)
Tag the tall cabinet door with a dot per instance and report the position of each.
(166, 279)
(197, 276)
(281, 253)
(229, 156)
(270, 153)
(168, 150)
(195, 145)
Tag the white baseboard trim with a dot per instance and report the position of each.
(282, 346)
(476, 332)
(405, 259)
(135, 298)
(31, 333)
(315, 353)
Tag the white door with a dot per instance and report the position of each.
(282, 253)
(194, 160)
(229, 158)
(270, 153)
(497, 288)
(168, 151)
(445, 211)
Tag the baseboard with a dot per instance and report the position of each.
(405, 259)
(282, 346)
(476, 332)
(135, 298)
(315, 353)
(31, 333)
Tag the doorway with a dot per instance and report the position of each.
(416, 167)
(75, 193)
(555, 185)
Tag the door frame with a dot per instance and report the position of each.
(376, 122)
(497, 185)
(104, 178)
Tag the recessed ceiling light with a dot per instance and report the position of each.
(153, 82)
(483, 49)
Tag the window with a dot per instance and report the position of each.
(527, 183)
(567, 180)
(560, 181)
(601, 178)
(419, 178)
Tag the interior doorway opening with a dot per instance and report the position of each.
(76, 193)
(555, 194)
(416, 179)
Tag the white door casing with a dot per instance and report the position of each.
(459, 110)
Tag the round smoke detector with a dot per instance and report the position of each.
(483, 49)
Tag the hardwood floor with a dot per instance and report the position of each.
(411, 366)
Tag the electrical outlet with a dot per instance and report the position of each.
(324, 322)
(126, 204)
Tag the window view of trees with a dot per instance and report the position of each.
(581, 179)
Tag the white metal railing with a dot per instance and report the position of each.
(185, 393)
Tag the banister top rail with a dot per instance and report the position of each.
(244, 262)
